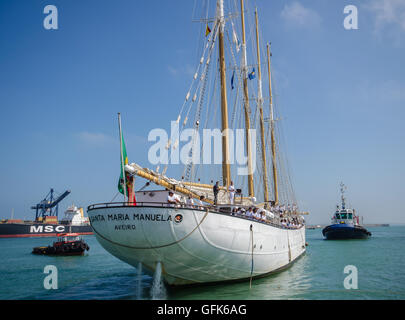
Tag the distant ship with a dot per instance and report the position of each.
(345, 223)
(46, 222)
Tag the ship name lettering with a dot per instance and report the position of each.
(41, 229)
(98, 217)
(60, 229)
(119, 216)
(35, 229)
(151, 217)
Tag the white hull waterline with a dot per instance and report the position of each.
(194, 246)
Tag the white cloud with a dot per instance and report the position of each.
(389, 19)
(183, 70)
(388, 12)
(96, 138)
(295, 14)
(172, 70)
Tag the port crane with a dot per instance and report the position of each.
(49, 206)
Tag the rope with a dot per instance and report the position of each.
(251, 269)
(115, 196)
(155, 247)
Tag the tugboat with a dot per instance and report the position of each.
(68, 244)
(345, 223)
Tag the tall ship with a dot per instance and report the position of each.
(345, 223)
(46, 223)
(226, 221)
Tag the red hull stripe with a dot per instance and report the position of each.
(29, 235)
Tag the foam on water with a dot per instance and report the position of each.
(158, 291)
(139, 282)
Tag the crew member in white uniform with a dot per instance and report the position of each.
(231, 190)
(190, 202)
(173, 198)
(249, 213)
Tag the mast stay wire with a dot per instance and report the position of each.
(203, 78)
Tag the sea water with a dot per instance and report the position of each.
(379, 263)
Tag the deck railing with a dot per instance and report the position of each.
(275, 221)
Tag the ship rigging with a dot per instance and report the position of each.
(215, 239)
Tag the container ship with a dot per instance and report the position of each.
(46, 223)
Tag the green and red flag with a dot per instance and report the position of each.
(124, 161)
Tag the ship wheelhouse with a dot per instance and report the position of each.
(343, 216)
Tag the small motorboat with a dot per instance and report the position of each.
(68, 244)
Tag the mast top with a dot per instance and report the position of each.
(220, 14)
(342, 190)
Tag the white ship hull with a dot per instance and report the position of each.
(204, 247)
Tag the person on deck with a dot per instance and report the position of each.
(263, 216)
(256, 214)
(200, 203)
(173, 199)
(215, 189)
(249, 213)
(231, 190)
(190, 202)
(241, 212)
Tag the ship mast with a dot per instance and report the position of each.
(273, 140)
(246, 104)
(226, 171)
(342, 190)
(260, 102)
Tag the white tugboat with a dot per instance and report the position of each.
(210, 237)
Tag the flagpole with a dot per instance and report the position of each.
(122, 158)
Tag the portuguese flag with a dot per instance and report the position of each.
(125, 159)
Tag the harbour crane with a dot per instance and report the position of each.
(49, 206)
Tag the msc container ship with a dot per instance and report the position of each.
(46, 222)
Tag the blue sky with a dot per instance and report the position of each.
(341, 94)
